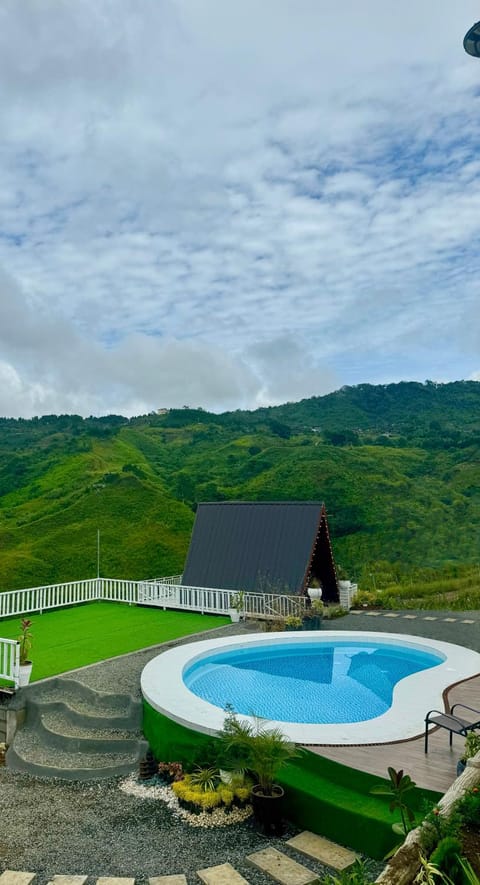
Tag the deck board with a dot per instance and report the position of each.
(435, 771)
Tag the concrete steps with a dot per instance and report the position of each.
(76, 733)
(275, 865)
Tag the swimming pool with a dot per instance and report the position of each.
(307, 681)
(399, 701)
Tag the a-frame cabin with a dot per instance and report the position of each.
(277, 547)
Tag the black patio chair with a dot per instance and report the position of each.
(453, 723)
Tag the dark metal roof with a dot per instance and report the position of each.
(263, 547)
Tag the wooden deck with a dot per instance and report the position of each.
(435, 771)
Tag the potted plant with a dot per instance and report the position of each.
(25, 640)
(263, 751)
(237, 606)
(313, 615)
(471, 748)
(315, 589)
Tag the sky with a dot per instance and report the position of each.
(232, 204)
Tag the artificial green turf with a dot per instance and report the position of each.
(68, 638)
(326, 797)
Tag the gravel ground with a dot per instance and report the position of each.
(95, 829)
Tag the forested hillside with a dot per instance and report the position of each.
(398, 467)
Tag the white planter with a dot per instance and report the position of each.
(234, 615)
(315, 592)
(24, 674)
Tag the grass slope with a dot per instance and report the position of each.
(69, 638)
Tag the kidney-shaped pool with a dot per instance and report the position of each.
(334, 687)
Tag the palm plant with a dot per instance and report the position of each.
(262, 750)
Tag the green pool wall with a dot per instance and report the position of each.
(323, 796)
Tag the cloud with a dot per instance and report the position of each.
(225, 206)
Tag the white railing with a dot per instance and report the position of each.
(116, 590)
(269, 605)
(217, 601)
(171, 579)
(10, 661)
(38, 599)
(346, 592)
(166, 594)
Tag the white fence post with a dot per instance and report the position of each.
(346, 592)
(10, 661)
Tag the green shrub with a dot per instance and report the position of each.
(206, 779)
(200, 797)
(368, 599)
(468, 807)
(472, 746)
(357, 874)
(446, 856)
(438, 826)
(331, 612)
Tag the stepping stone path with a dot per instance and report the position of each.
(11, 877)
(279, 866)
(68, 880)
(328, 853)
(168, 880)
(115, 880)
(223, 874)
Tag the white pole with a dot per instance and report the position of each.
(98, 553)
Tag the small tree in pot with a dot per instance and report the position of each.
(263, 751)
(25, 640)
(236, 608)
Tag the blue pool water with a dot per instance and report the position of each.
(321, 682)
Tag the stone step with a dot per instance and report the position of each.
(15, 877)
(281, 867)
(222, 874)
(178, 879)
(81, 740)
(31, 754)
(115, 880)
(323, 850)
(68, 880)
(74, 732)
(83, 699)
(58, 719)
(83, 716)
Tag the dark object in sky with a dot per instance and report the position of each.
(261, 547)
(471, 41)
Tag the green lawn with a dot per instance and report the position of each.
(68, 638)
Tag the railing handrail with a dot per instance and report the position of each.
(220, 600)
(168, 593)
(10, 660)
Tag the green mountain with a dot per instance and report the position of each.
(398, 467)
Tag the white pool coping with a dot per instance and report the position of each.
(163, 687)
